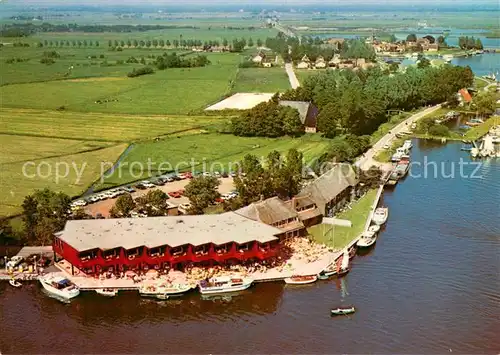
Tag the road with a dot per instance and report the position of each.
(367, 160)
(294, 82)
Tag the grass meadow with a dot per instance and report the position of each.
(261, 80)
(209, 151)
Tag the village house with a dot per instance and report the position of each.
(259, 58)
(274, 212)
(308, 114)
(305, 63)
(307, 210)
(320, 63)
(335, 61)
(434, 47)
(332, 190)
(464, 97)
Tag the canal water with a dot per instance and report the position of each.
(430, 285)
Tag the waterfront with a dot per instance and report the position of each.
(431, 284)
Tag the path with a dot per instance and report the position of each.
(367, 160)
(294, 82)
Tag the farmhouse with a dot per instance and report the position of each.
(276, 213)
(307, 210)
(308, 113)
(320, 63)
(156, 242)
(259, 58)
(464, 96)
(305, 63)
(332, 190)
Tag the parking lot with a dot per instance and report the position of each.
(103, 207)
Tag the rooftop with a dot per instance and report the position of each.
(174, 231)
(268, 211)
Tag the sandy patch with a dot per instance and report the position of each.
(106, 78)
(240, 101)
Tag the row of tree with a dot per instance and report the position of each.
(268, 119)
(172, 60)
(356, 102)
(470, 43)
(68, 43)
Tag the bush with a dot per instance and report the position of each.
(439, 130)
(119, 62)
(141, 71)
(47, 61)
(101, 56)
(51, 54)
(249, 65)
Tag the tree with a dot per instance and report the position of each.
(129, 43)
(154, 203)
(371, 178)
(44, 213)
(411, 38)
(293, 172)
(155, 43)
(431, 39)
(202, 192)
(122, 43)
(123, 206)
(252, 185)
(292, 125)
(168, 43)
(393, 38)
(423, 63)
(161, 42)
(439, 130)
(135, 43)
(259, 42)
(479, 44)
(110, 43)
(80, 214)
(250, 42)
(485, 103)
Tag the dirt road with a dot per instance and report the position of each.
(294, 82)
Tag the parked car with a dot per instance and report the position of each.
(157, 182)
(78, 203)
(128, 189)
(140, 186)
(175, 194)
(184, 207)
(147, 184)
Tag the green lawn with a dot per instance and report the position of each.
(261, 80)
(479, 131)
(215, 151)
(97, 126)
(16, 183)
(339, 237)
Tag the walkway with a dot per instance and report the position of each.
(367, 160)
(294, 82)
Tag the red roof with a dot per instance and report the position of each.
(465, 94)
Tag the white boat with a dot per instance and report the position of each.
(380, 216)
(474, 152)
(14, 283)
(224, 284)
(108, 292)
(165, 290)
(301, 280)
(407, 145)
(374, 228)
(367, 240)
(344, 264)
(448, 57)
(60, 286)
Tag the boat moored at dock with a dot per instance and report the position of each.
(367, 239)
(165, 290)
(301, 280)
(59, 286)
(224, 284)
(380, 216)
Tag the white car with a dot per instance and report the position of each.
(14, 261)
(387, 146)
(147, 184)
(184, 207)
(78, 203)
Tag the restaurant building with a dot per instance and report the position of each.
(102, 245)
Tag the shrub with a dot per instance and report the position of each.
(439, 130)
(47, 61)
(140, 71)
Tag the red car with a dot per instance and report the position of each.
(174, 194)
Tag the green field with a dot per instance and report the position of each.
(171, 91)
(261, 80)
(303, 74)
(216, 151)
(339, 237)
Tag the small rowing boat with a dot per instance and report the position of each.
(108, 292)
(14, 283)
(301, 280)
(342, 311)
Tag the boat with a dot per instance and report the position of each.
(375, 228)
(162, 297)
(367, 239)
(326, 274)
(108, 292)
(14, 283)
(60, 286)
(352, 251)
(301, 280)
(342, 311)
(224, 284)
(474, 152)
(448, 57)
(170, 290)
(344, 264)
(380, 216)
(407, 145)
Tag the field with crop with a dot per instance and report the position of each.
(171, 91)
(267, 80)
(205, 152)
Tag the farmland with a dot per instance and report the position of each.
(261, 80)
(211, 152)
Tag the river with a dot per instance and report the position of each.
(431, 284)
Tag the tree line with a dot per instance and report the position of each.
(470, 43)
(68, 43)
(268, 119)
(172, 60)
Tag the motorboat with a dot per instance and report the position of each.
(301, 280)
(474, 152)
(407, 145)
(342, 311)
(326, 274)
(367, 239)
(162, 297)
(224, 284)
(374, 228)
(59, 286)
(15, 283)
(380, 216)
(108, 292)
